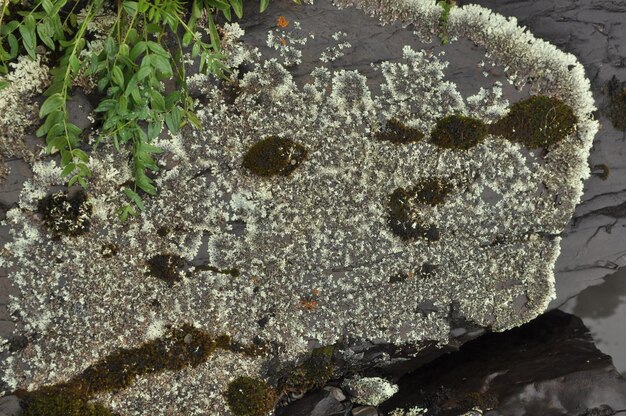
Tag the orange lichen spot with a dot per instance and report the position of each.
(315, 292)
(308, 305)
(283, 41)
(282, 22)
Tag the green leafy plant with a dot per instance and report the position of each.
(130, 71)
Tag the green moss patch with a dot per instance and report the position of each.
(181, 347)
(274, 156)
(398, 133)
(404, 218)
(66, 214)
(55, 402)
(538, 121)
(166, 267)
(247, 396)
(314, 372)
(458, 132)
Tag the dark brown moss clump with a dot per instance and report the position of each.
(398, 133)
(274, 156)
(182, 347)
(66, 214)
(247, 396)
(314, 372)
(458, 132)
(538, 121)
(166, 267)
(404, 217)
(57, 402)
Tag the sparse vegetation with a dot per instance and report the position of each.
(129, 72)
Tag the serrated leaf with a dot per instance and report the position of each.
(54, 102)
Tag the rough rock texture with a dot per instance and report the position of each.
(322, 276)
(547, 367)
(594, 31)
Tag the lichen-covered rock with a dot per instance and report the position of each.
(370, 391)
(305, 259)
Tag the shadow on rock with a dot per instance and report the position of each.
(547, 367)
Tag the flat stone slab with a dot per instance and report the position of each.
(306, 256)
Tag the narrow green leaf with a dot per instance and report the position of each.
(237, 7)
(29, 41)
(143, 72)
(137, 50)
(48, 7)
(68, 169)
(215, 37)
(133, 196)
(130, 7)
(157, 100)
(117, 76)
(81, 155)
(264, 4)
(54, 102)
(74, 64)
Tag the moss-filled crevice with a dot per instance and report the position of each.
(274, 156)
(166, 267)
(247, 396)
(66, 213)
(458, 132)
(399, 133)
(617, 110)
(60, 402)
(405, 219)
(180, 347)
(537, 122)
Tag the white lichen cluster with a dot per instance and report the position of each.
(288, 45)
(414, 411)
(26, 79)
(334, 52)
(322, 230)
(370, 391)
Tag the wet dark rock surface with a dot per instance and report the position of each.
(547, 367)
